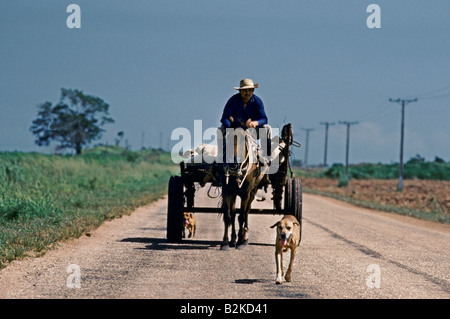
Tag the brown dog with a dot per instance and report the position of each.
(288, 237)
(189, 223)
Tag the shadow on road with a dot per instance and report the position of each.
(163, 244)
(186, 244)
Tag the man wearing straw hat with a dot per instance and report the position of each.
(244, 109)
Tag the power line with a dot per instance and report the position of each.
(421, 95)
(373, 112)
(400, 172)
(435, 97)
(379, 111)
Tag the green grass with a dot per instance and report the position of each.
(48, 198)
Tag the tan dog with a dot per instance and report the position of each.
(189, 223)
(288, 237)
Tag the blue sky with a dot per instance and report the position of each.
(163, 64)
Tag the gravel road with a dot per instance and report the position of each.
(346, 252)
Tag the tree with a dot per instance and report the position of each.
(74, 122)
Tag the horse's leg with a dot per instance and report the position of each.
(227, 220)
(243, 224)
(243, 229)
(226, 208)
(224, 245)
(243, 219)
(233, 218)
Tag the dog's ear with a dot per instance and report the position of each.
(275, 225)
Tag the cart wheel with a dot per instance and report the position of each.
(293, 199)
(175, 209)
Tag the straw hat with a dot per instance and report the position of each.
(246, 84)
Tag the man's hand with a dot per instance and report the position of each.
(251, 124)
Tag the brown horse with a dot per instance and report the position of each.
(240, 178)
(246, 172)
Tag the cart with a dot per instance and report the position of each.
(286, 191)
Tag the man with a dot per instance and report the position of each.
(244, 109)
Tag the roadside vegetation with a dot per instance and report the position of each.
(413, 169)
(425, 195)
(48, 198)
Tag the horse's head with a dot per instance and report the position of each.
(286, 134)
(241, 153)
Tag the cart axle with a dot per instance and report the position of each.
(256, 211)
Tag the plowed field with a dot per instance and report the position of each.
(427, 196)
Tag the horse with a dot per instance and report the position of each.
(240, 175)
(244, 173)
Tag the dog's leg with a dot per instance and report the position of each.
(193, 231)
(279, 262)
(291, 264)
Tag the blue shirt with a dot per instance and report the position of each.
(235, 108)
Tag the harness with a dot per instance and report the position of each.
(243, 166)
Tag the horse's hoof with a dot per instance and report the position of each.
(232, 244)
(224, 247)
(241, 245)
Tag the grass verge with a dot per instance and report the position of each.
(45, 199)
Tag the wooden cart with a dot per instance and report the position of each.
(286, 191)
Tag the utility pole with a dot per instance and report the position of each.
(347, 147)
(400, 170)
(307, 130)
(326, 141)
